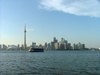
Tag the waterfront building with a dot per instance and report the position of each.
(48, 45)
(45, 45)
(56, 46)
(8, 45)
(40, 45)
(48, 48)
(64, 41)
(3, 47)
(62, 46)
(12, 47)
(22, 46)
(79, 46)
(69, 46)
(75, 46)
(33, 44)
(54, 40)
(18, 46)
(83, 46)
(52, 45)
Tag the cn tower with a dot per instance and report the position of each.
(25, 37)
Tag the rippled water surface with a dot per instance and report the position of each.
(50, 63)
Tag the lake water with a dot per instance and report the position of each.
(50, 63)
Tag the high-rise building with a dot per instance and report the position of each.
(25, 37)
(83, 46)
(52, 45)
(48, 44)
(4, 47)
(18, 46)
(56, 46)
(45, 45)
(62, 46)
(69, 46)
(62, 40)
(54, 40)
(22, 46)
(33, 44)
(79, 46)
(8, 45)
(73, 46)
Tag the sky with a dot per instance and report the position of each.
(74, 20)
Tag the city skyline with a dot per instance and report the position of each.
(54, 44)
(44, 21)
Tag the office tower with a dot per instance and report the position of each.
(62, 46)
(62, 40)
(56, 46)
(54, 40)
(76, 46)
(83, 46)
(52, 45)
(3, 47)
(33, 44)
(18, 46)
(25, 37)
(22, 46)
(48, 44)
(40, 45)
(45, 45)
(69, 46)
(12, 47)
(79, 46)
(73, 46)
(8, 45)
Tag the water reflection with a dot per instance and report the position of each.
(50, 62)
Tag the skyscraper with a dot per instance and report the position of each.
(56, 46)
(18, 46)
(33, 44)
(25, 37)
(83, 46)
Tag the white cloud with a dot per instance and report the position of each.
(76, 7)
(30, 29)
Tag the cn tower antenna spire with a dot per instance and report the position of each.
(25, 28)
(25, 37)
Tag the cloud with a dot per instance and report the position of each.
(76, 7)
(30, 29)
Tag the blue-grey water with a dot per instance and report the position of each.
(50, 63)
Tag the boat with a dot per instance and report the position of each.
(32, 49)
